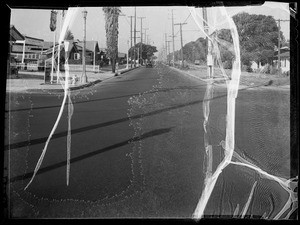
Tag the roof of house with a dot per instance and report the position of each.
(121, 55)
(285, 55)
(49, 50)
(15, 34)
(38, 39)
(284, 52)
(49, 44)
(102, 49)
(89, 45)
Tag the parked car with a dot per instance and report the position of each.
(197, 62)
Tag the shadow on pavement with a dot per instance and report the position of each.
(110, 98)
(91, 154)
(109, 123)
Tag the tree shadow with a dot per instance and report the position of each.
(109, 123)
(91, 154)
(109, 98)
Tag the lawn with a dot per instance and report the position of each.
(246, 79)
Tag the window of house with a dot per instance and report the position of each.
(76, 56)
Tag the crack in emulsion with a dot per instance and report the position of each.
(71, 13)
(231, 157)
(105, 201)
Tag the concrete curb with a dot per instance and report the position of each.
(80, 86)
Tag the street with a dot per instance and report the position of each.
(137, 148)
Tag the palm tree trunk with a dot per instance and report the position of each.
(113, 65)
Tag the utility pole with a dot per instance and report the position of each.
(168, 52)
(141, 51)
(173, 37)
(180, 25)
(134, 35)
(83, 76)
(127, 53)
(279, 39)
(209, 44)
(145, 29)
(166, 44)
(131, 40)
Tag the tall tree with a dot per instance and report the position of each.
(258, 36)
(111, 27)
(147, 50)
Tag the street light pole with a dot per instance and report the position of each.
(83, 76)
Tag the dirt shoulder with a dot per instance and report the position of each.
(247, 80)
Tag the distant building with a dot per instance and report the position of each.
(92, 52)
(25, 48)
(36, 51)
(284, 59)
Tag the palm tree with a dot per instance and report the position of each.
(111, 28)
(69, 35)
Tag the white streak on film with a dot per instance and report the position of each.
(236, 211)
(232, 89)
(288, 185)
(69, 18)
(245, 209)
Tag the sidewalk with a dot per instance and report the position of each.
(34, 81)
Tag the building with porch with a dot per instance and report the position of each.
(284, 59)
(23, 48)
(92, 52)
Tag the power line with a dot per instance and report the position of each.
(187, 17)
(184, 22)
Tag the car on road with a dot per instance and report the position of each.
(149, 64)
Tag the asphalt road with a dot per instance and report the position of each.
(137, 146)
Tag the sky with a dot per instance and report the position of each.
(35, 23)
